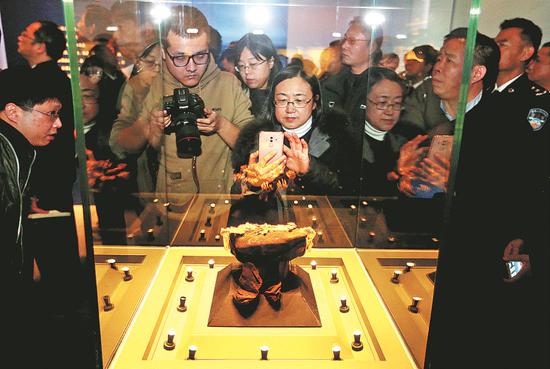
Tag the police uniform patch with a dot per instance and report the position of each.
(536, 118)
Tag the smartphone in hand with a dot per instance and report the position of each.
(513, 268)
(271, 142)
(441, 145)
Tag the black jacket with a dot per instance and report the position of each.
(347, 92)
(334, 163)
(16, 159)
(57, 160)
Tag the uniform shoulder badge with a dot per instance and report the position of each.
(537, 117)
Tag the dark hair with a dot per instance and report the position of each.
(215, 43)
(375, 34)
(262, 48)
(54, 39)
(289, 72)
(378, 74)
(486, 53)
(530, 32)
(145, 53)
(182, 18)
(44, 88)
(546, 44)
(392, 56)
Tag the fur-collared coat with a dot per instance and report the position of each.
(334, 160)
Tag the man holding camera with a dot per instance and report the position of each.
(189, 64)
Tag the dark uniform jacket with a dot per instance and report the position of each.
(492, 205)
(16, 159)
(333, 162)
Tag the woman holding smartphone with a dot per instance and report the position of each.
(256, 65)
(316, 146)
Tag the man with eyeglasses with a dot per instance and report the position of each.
(187, 62)
(494, 207)
(347, 90)
(41, 44)
(29, 118)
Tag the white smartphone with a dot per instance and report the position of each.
(270, 142)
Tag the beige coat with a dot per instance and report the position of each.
(221, 92)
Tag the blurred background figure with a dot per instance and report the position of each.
(134, 30)
(228, 58)
(256, 64)
(92, 26)
(538, 70)
(390, 61)
(106, 176)
(329, 61)
(418, 66)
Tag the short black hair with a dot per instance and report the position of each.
(546, 44)
(486, 53)
(377, 74)
(289, 72)
(530, 32)
(54, 39)
(28, 88)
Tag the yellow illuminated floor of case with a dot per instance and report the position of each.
(125, 295)
(225, 347)
(381, 265)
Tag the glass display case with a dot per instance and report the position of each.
(158, 203)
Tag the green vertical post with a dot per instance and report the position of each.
(68, 11)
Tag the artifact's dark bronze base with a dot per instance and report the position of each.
(298, 307)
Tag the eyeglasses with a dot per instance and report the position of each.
(183, 60)
(297, 103)
(383, 105)
(53, 115)
(241, 67)
(352, 41)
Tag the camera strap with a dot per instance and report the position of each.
(195, 175)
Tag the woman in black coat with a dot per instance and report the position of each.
(316, 145)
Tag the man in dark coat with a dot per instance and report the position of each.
(347, 90)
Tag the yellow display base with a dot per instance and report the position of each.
(125, 295)
(381, 265)
(239, 347)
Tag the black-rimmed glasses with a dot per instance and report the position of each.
(383, 105)
(183, 60)
(297, 103)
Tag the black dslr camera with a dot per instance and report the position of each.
(184, 109)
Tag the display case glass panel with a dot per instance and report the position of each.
(378, 218)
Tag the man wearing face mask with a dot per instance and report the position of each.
(188, 63)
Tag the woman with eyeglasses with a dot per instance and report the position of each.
(381, 145)
(256, 65)
(316, 147)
